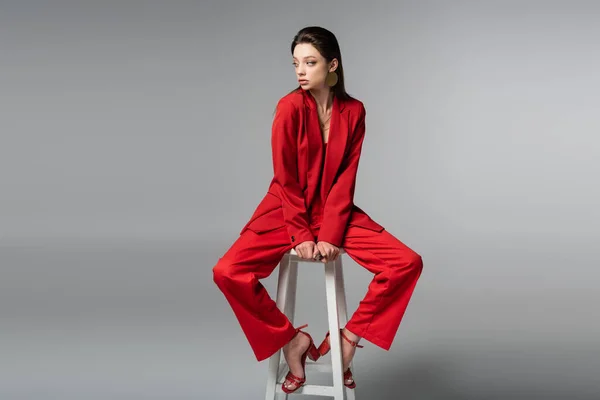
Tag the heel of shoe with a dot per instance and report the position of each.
(324, 347)
(313, 352)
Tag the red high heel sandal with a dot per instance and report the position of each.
(324, 348)
(311, 353)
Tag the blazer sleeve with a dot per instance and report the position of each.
(284, 145)
(339, 202)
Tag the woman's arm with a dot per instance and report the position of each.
(284, 145)
(340, 200)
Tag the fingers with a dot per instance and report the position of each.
(335, 254)
(306, 250)
(328, 251)
(315, 252)
(311, 250)
(322, 252)
(300, 250)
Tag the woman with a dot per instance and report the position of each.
(317, 136)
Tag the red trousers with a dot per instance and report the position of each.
(253, 256)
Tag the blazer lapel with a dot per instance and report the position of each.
(336, 144)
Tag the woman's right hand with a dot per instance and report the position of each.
(307, 250)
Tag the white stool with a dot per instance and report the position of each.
(336, 312)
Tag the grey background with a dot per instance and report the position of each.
(136, 144)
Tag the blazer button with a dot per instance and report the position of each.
(293, 239)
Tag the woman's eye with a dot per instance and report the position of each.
(308, 62)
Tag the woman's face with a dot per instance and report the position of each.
(311, 68)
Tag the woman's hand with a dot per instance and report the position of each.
(307, 250)
(328, 251)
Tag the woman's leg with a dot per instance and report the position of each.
(252, 257)
(397, 269)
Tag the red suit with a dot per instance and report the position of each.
(311, 199)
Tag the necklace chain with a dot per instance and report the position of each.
(324, 122)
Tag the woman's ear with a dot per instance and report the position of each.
(334, 64)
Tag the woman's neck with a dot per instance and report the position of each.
(323, 98)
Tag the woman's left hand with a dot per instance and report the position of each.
(328, 251)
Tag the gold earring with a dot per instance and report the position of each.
(331, 79)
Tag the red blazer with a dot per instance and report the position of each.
(297, 155)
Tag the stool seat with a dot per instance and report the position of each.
(336, 315)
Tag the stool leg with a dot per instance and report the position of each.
(289, 310)
(343, 312)
(334, 328)
(282, 297)
(290, 301)
(341, 292)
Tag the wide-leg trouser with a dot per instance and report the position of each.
(253, 256)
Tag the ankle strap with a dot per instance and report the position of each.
(300, 327)
(352, 342)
